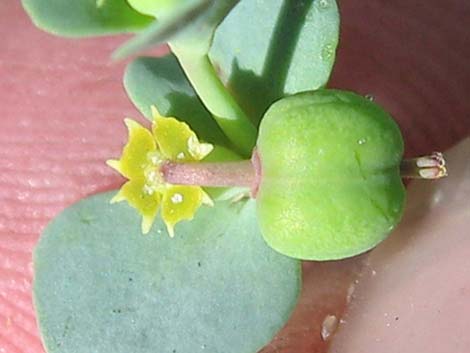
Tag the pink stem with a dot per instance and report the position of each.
(219, 174)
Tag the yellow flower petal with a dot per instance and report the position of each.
(176, 140)
(141, 160)
(140, 196)
(180, 202)
(134, 158)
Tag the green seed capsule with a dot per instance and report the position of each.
(330, 175)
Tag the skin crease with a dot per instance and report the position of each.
(62, 107)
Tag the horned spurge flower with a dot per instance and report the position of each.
(142, 158)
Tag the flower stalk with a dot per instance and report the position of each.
(228, 114)
(223, 174)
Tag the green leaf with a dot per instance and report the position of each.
(193, 22)
(161, 82)
(164, 29)
(101, 286)
(288, 49)
(79, 18)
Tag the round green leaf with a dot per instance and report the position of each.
(100, 286)
(78, 18)
(161, 82)
(290, 48)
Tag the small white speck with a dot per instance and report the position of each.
(437, 198)
(177, 198)
(323, 4)
(151, 176)
(148, 190)
(361, 141)
(180, 155)
(154, 158)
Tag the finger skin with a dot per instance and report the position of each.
(411, 56)
(414, 293)
(62, 106)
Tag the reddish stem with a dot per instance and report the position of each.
(210, 174)
(245, 173)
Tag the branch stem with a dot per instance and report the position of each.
(233, 121)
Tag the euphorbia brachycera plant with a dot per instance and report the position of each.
(242, 122)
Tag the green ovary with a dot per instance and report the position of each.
(331, 185)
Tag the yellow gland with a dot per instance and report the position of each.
(141, 160)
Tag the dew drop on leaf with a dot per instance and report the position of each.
(323, 4)
(329, 326)
(327, 52)
(361, 141)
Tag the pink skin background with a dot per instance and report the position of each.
(62, 106)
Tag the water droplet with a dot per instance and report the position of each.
(350, 293)
(177, 198)
(323, 4)
(329, 326)
(369, 97)
(374, 272)
(327, 52)
(361, 141)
